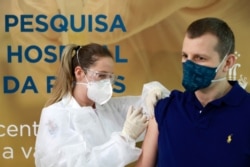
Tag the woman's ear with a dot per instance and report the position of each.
(79, 73)
(230, 61)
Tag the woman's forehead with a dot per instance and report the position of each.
(103, 64)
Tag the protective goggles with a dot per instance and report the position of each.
(101, 75)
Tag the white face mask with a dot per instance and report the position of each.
(99, 91)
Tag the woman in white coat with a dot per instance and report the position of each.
(81, 125)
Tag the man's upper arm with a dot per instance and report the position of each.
(149, 146)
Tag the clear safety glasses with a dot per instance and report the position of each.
(101, 75)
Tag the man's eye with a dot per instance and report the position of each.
(184, 56)
(199, 58)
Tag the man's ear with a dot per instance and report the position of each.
(230, 61)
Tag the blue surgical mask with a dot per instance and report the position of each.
(196, 76)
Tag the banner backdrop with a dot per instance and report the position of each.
(145, 37)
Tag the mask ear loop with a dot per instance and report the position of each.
(218, 67)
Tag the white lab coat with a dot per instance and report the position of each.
(74, 136)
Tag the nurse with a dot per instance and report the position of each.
(81, 125)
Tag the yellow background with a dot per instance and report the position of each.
(152, 46)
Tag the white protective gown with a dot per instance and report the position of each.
(74, 136)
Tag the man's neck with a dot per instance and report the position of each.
(214, 91)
